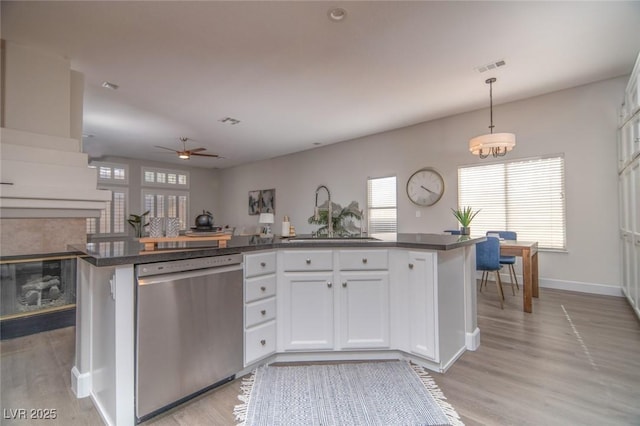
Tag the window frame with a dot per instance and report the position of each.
(557, 243)
(370, 207)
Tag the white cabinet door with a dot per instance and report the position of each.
(364, 309)
(307, 322)
(423, 296)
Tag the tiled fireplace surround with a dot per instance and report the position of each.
(40, 236)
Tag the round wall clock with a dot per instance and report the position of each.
(425, 187)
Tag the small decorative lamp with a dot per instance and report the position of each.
(495, 144)
(266, 219)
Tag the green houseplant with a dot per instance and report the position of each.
(138, 222)
(342, 218)
(465, 216)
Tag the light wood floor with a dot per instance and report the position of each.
(574, 361)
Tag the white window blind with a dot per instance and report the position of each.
(112, 218)
(161, 203)
(382, 205)
(525, 196)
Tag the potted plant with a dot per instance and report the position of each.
(138, 222)
(465, 216)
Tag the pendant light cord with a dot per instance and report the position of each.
(490, 81)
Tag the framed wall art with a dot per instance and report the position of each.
(262, 201)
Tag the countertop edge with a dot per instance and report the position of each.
(190, 253)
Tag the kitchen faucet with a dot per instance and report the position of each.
(316, 214)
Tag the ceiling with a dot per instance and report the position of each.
(296, 80)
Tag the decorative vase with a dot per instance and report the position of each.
(173, 227)
(155, 227)
(465, 230)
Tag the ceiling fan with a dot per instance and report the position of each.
(185, 153)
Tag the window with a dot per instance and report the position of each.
(112, 173)
(165, 178)
(112, 219)
(162, 203)
(525, 196)
(167, 193)
(382, 205)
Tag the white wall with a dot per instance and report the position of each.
(580, 123)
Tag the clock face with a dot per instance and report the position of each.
(425, 187)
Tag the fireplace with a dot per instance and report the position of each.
(36, 294)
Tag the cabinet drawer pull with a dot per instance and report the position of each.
(263, 312)
(329, 284)
(344, 284)
(263, 288)
(263, 342)
(364, 260)
(263, 264)
(308, 261)
(411, 266)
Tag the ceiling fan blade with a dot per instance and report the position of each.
(164, 147)
(197, 150)
(204, 155)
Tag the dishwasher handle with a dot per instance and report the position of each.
(163, 278)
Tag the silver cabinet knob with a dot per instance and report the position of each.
(263, 342)
(344, 284)
(308, 261)
(329, 284)
(263, 312)
(263, 264)
(411, 266)
(364, 260)
(263, 288)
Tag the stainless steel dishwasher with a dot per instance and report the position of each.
(188, 329)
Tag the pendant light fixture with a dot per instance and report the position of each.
(495, 144)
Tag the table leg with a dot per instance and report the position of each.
(534, 273)
(528, 280)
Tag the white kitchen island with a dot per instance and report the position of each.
(413, 298)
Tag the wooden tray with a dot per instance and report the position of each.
(152, 243)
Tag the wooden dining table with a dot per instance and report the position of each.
(528, 251)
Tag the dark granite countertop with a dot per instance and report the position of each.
(110, 252)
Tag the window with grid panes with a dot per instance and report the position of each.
(525, 196)
(165, 193)
(112, 219)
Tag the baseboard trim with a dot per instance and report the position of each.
(592, 288)
(80, 383)
(581, 287)
(472, 340)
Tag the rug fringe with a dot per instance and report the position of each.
(240, 410)
(438, 395)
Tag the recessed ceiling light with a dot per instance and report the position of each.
(338, 14)
(109, 85)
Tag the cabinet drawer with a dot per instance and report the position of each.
(259, 342)
(259, 288)
(260, 264)
(308, 260)
(359, 260)
(259, 312)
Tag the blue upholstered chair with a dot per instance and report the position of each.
(508, 260)
(452, 231)
(488, 260)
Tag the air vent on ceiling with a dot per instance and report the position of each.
(491, 66)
